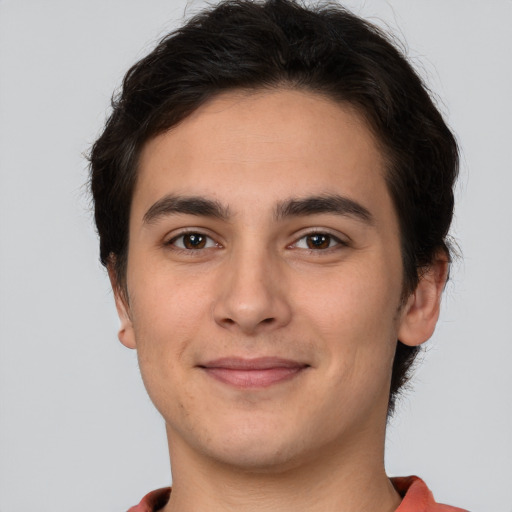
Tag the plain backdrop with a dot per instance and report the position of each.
(77, 431)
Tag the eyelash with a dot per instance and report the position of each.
(173, 240)
(331, 238)
(338, 243)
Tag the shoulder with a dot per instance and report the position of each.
(417, 497)
(153, 501)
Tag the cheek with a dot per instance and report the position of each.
(353, 298)
(167, 316)
(354, 313)
(167, 305)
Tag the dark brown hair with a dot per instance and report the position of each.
(243, 44)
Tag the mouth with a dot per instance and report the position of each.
(253, 373)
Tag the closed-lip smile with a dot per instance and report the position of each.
(258, 372)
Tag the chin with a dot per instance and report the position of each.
(257, 457)
(254, 446)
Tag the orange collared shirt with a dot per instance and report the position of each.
(416, 497)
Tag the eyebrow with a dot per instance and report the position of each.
(328, 203)
(294, 207)
(189, 205)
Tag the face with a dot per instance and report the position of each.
(264, 280)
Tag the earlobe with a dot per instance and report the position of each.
(126, 333)
(421, 312)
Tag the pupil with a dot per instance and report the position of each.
(318, 241)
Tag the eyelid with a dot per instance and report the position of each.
(342, 240)
(176, 234)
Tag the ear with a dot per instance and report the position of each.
(126, 333)
(421, 312)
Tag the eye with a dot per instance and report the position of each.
(192, 241)
(318, 241)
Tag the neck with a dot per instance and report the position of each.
(340, 478)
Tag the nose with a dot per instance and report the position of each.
(252, 297)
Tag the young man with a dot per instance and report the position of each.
(273, 192)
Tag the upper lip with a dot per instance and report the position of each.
(259, 363)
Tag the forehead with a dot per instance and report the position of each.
(257, 147)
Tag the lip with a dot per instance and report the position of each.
(253, 373)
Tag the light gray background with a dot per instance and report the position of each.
(77, 431)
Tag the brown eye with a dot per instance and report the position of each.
(318, 241)
(192, 241)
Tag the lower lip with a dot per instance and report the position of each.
(254, 378)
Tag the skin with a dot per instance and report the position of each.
(258, 286)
